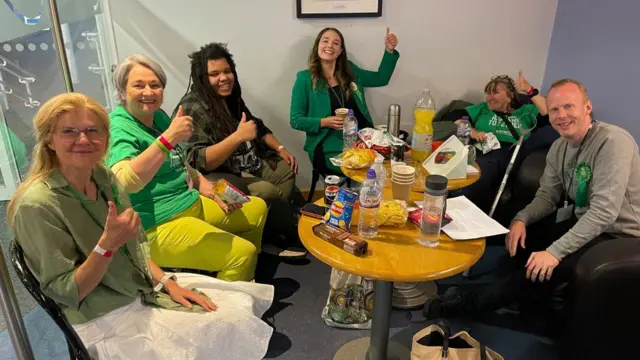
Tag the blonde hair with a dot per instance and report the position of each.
(45, 160)
(568, 81)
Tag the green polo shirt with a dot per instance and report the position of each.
(167, 194)
(57, 235)
(487, 121)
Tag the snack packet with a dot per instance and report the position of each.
(355, 158)
(379, 140)
(229, 193)
(416, 217)
(339, 215)
(392, 213)
(491, 143)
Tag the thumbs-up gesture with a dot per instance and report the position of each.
(390, 41)
(522, 85)
(181, 128)
(246, 130)
(119, 229)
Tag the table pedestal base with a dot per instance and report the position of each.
(357, 350)
(412, 295)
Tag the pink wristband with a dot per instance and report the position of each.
(165, 142)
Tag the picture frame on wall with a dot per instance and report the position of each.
(338, 8)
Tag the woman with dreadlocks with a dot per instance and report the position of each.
(229, 142)
(332, 82)
(503, 103)
(187, 225)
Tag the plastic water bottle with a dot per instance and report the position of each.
(463, 133)
(433, 208)
(370, 195)
(349, 130)
(381, 172)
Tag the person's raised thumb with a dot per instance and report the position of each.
(520, 76)
(387, 31)
(244, 118)
(113, 211)
(180, 111)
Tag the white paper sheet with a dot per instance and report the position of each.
(469, 222)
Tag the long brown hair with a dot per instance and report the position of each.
(45, 160)
(509, 86)
(342, 73)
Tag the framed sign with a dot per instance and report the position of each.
(338, 8)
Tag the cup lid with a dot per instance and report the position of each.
(436, 182)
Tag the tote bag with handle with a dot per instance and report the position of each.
(436, 343)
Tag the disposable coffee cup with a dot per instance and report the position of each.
(342, 112)
(401, 191)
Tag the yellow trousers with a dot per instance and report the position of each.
(204, 237)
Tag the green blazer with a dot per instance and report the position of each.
(309, 106)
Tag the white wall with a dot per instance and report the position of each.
(452, 47)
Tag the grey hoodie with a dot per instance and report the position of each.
(613, 204)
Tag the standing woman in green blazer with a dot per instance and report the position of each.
(332, 82)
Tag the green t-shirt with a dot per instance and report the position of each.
(168, 193)
(485, 120)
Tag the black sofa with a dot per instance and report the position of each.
(603, 318)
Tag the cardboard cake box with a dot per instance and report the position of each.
(346, 241)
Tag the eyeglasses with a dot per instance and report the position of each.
(92, 133)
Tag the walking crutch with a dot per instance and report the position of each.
(505, 178)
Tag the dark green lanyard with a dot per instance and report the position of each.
(115, 191)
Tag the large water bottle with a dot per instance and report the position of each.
(349, 130)
(381, 172)
(370, 195)
(433, 207)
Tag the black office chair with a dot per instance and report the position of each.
(77, 350)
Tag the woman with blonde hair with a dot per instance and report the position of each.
(332, 81)
(83, 242)
(187, 224)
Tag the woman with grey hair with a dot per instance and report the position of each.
(187, 224)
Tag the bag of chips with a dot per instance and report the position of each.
(229, 193)
(355, 158)
(339, 214)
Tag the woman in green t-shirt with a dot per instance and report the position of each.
(503, 103)
(188, 226)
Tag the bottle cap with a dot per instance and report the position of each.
(371, 174)
(465, 117)
(436, 182)
(350, 112)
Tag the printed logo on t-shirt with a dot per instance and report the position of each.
(175, 159)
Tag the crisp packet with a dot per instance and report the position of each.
(355, 158)
(378, 140)
(229, 193)
(416, 217)
(392, 213)
(339, 215)
(491, 143)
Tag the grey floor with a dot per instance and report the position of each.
(300, 333)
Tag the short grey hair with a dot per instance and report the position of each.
(121, 74)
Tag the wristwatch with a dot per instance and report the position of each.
(102, 251)
(166, 277)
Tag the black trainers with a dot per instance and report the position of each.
(447, 304)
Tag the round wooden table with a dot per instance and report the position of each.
(359, 175)
(394, 255)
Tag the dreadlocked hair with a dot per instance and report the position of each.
(342, 71)
(199, 84)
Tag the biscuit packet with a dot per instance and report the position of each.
(229, 193)
(339, 214)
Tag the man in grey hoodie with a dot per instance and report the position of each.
(592, 179)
